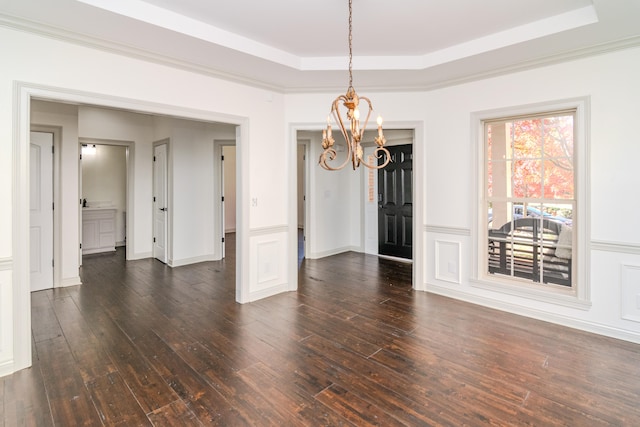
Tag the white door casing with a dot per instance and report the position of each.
(41, 211)
(160, 202)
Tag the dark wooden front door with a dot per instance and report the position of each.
(395, 203)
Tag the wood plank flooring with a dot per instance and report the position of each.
(143, 344)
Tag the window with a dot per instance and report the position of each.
(529, 200)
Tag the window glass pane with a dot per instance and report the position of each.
(558, 136)
(558, 179)
(527, 178)
(527, 139)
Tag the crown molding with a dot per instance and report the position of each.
(56, 33)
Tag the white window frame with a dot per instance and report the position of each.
(578, 296)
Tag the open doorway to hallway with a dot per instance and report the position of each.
(103, 189)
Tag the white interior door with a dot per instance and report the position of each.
(160, 210)
(41, 211)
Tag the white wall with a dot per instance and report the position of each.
(614, 248)
(50, 68)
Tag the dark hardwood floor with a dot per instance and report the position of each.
(143, 344)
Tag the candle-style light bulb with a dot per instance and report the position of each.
(329, 125)
(379, 125)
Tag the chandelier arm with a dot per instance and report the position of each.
(330, 151)
(366, 121)
(378, 153)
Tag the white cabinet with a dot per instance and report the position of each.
(98, 230)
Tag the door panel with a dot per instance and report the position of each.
(160, 210)
(395, 208)
(41, 211)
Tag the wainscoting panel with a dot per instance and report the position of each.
(6, 322)
(447, 261)
(269, 263)
(630, 292)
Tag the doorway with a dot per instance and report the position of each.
(395, 203)
(104, 177)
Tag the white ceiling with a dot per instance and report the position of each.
(302, 45)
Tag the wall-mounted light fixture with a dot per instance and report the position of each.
(89, 149)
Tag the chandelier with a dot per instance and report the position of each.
(351, 102)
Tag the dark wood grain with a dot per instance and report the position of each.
(144, 344)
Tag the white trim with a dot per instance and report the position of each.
(265, 293)
(335, 251)
(192, 260)
(546, 316)
(139, 255)
(447, 230)
(6, 264)
(581, 295)
(628, 299)
(219, 229)
(262, 231)
(625, 248)
(168, 221)
(70, 281)
(20, 228)
(31, 27)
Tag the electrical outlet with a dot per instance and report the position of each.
(254, 202)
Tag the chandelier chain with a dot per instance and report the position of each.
(350, 45)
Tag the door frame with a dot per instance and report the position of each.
(419, 186)
(57, 243)
(218, 185)
(306, 143)
(169, 199)
(129, 206)
(45, 210)
(23, 94)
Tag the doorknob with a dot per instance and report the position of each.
(163, 209)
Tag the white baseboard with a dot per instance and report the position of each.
(316, 255)
(265, 293)
(569, 322)
(193, 260)
(69, 281)
(140, 255)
